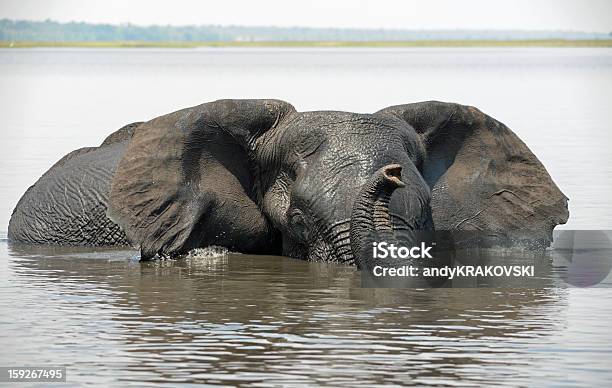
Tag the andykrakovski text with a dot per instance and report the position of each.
(455, 272)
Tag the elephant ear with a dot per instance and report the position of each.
(186, 179)
(483, 178)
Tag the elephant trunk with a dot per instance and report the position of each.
(370, 219)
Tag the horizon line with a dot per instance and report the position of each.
(457, 29)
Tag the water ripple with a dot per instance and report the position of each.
(263, 321)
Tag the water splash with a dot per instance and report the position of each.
(211, 252)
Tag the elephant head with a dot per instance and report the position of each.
(257, 176)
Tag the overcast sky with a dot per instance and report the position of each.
(579, 15)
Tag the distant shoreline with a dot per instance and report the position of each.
(315, 44)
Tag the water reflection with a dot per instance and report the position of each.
(253, 320)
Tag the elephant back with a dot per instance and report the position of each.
(67, 205)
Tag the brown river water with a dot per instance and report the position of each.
(262, 321)
(257, 321)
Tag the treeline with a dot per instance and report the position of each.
(51, 31)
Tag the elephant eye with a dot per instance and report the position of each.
(297, 223)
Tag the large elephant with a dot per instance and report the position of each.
(256, 176)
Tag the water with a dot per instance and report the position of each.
(255, 321)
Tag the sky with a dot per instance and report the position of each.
(572, 15)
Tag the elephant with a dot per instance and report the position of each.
(257, 176)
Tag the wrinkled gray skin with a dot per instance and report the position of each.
(258, 177)
(67, 206)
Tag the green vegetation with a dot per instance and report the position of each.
(48, 33)
(52, 31)
(382, 44)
